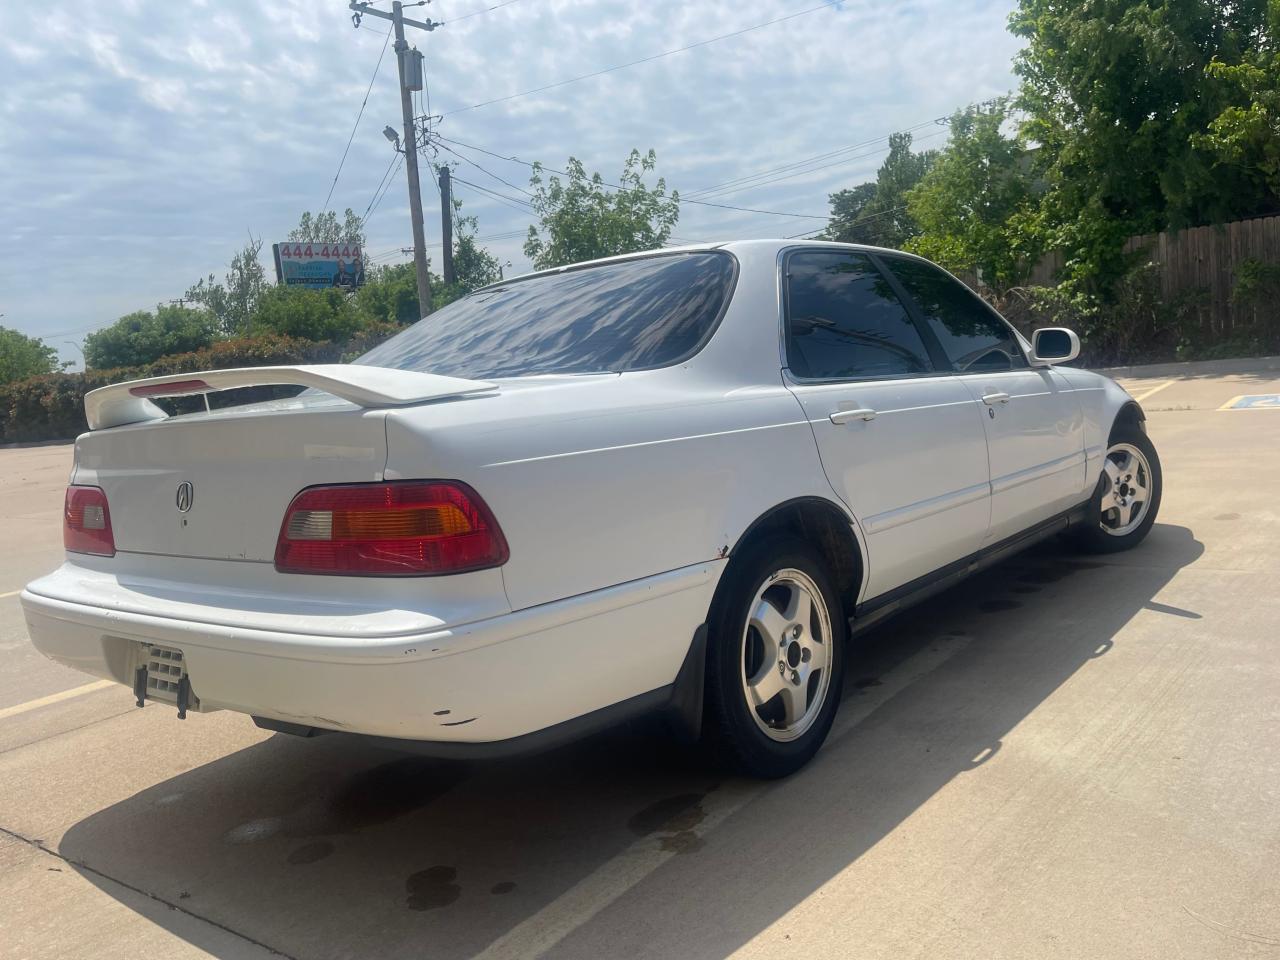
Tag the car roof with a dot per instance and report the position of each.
(730, 246)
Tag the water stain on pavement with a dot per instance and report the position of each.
(432, 888)
(865, 682)
(311, 852)
(506, 886)
(662, 813)
(998, 606)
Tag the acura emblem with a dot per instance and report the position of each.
(186, 494)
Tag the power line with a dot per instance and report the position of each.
(766, 176)
(476, 13)
(520, 206)
(487, 172)
(373, 204)
(356, 125)
(828, 4)
(615, 186)
(385, 174)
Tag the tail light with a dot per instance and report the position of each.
(409, 528)
(86, 522)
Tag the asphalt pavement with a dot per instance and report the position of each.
(1066, 756)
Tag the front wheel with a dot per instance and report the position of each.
(775, 659)
(1125, 504)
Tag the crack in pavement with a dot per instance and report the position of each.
(81, 865)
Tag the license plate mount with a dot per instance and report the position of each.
(161, 675)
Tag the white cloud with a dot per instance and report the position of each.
(138, 165)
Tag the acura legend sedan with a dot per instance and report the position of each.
(672, 481)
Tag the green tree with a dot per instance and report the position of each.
(390, 295)
(473, 266)
(582, 219)
(232, 302)
(877, 213)
(142, 337)
(22, 356)
(308, 314)
(325, 227)
(976, 207)
(1246, 134)
(1114, 92)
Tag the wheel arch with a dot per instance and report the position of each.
(825, 525)
(1130, 415)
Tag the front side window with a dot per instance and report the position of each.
(844, 320)
(974, 340)
(629, 315)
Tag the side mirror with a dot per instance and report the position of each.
(1054, 345)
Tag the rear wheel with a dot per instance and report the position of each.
(775, 659)
(1127, 499)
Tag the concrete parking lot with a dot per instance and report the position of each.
(1065, 757)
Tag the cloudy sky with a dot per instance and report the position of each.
(142, 142)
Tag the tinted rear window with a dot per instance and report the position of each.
(630, 315)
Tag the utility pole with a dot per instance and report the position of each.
(407, 83)
(446, 223)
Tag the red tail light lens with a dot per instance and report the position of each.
(408, 528)
(86, 522)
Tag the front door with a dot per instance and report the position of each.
(901, 438)
(1034, 426)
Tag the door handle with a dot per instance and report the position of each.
(991, 399)
(847, 416)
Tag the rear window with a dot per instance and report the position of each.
(630, 315)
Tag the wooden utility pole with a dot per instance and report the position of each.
(446, 223)
(398, 21)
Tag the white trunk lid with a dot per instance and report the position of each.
(244, 467)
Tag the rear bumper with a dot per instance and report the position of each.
(490, 680)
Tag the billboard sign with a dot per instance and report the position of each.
(317, 265)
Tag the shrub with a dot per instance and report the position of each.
(51, 407)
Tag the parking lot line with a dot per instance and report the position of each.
(1154, 390)
(11, 593)
(56, 698)
(576, 906)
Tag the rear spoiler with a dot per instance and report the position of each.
(130, 402)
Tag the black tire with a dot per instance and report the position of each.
(1091, 535)
(730, 732)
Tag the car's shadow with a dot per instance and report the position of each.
(328, 848)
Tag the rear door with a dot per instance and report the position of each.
(1035, 435)
(901, 438)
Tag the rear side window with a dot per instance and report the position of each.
(973, 339)
(630, 315)
(844, 320)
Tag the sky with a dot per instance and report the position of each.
(142, 143)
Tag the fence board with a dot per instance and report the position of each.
(1198, 261)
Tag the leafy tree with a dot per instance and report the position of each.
(143, 336)
(390, 295)
(976, 207)
(583, 219)
(232, 301)
(877, 213)
(22, 356)
(473, 266)
(1115, 92)
(325, 227)
(1246, 134)
(307, 314)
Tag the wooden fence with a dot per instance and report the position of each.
(1200, 260)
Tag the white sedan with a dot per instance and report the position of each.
(669, 481)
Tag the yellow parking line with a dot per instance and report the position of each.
(56, 698)
(11, 593)
(1154, 390)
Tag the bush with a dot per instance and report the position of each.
(22, 356)
(142, 337)
(51, 407)
(317, 315)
